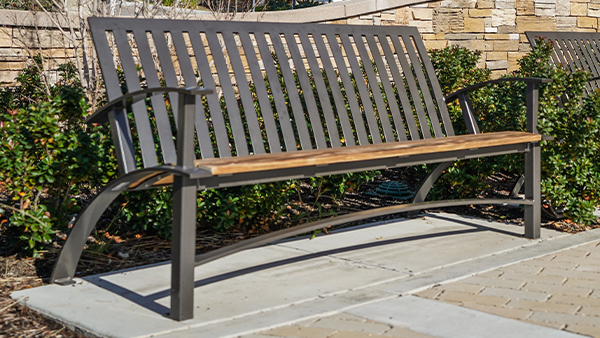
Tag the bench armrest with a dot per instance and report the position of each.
(532, 101)
(100, 115)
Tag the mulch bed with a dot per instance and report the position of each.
(109, 253)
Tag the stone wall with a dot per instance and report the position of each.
(24, 34)
(495, 27)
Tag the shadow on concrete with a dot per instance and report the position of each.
(149, 301)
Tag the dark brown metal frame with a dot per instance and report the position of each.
(379, 44)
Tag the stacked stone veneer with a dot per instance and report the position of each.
(495, 27)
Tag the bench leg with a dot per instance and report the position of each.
(183, 248)
(533, 213)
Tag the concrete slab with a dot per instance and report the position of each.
(292, 280)
(449, 321)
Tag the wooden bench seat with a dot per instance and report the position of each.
(281, 101)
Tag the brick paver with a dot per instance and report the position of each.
(560, 290)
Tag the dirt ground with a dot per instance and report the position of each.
(18, 273)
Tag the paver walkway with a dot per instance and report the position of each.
(559, 290)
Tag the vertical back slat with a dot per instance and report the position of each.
(187, 72)
(163, 125)
(336, 92)
(359, 126)
(292, 91)
(121, 133)
(375, 91)
(387, 86)
(261, 93)
(412, 86)
(289, 138)
(362, 89)
(424, 85)
(166, 63)
(322, 91)
(245, 95)
(593, 66)
(309, 98)
(404, 100)
(138, 106)
(435, 87)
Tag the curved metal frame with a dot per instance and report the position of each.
(66, 263)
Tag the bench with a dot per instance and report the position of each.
(574, 50)
(283, 101)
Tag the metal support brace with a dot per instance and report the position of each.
(467, 110)
(184, 217)
(427, 184)
(533, 167)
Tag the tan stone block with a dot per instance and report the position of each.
(564, 318)
(495, 56)
(8, 76)
(462, 287)
(594, 10)
(505, 4)
(525, 7)
(435, 44)
(423, 26)
(497, 37)
(582, 1)
(496, 74)
(506, 45)
(500, 311)
(447, 20)
(480, 13)
(563, 7)
(13, 65)
(578, 9)
(551, 264)
(464, 297)
(474, 25)
(485, 4)
(388, 17)
(513, 65)
(557, 289)
(496, 282)
(503, 17)
(571, 274)
(422, 13)
(558, 326)
(458, 3)
(357, 21)
(574, 300)
(566, 24)
(482, 45)
(438, 36)
(587, 22)
(6, 36)
(542, 306)
(588, 330)
(403, 15)
(526, 23)
(590, 311)
(526, 277)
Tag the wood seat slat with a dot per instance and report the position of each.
(364, 153)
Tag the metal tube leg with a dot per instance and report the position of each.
(183, 248)
(533, 213)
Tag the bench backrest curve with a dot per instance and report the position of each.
(278, 87)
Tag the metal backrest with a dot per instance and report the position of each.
(574, 51)
(278, 87)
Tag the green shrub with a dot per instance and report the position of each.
(47, 154)
(570, 163)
